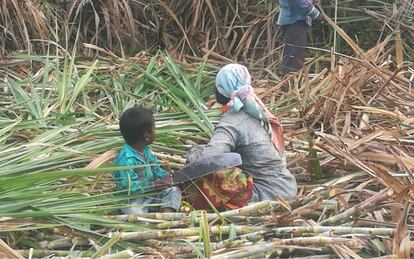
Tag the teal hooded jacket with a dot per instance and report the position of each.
(137, 180)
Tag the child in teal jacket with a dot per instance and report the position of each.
(138, 130)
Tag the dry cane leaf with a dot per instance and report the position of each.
(364, 124)
(102, 159)
(7, 252)
(285, 204)
(392, 115)
(400, 238)
(405, 247)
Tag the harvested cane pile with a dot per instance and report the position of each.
(349, 134)
(361, 121)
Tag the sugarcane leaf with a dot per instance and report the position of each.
(80, 85)
(314, 160)
(232, 231)
(205, 234)
(378, 244)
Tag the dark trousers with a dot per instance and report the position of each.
(295, 40)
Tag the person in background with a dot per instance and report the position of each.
(295, 17)
(137, 127)
(248, 128)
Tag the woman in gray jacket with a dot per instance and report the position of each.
(249, 129)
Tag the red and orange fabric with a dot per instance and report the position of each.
(224, 189)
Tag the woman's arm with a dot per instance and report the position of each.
(224, 140)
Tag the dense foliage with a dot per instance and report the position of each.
(239, 30)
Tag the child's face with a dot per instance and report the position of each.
(150, 135)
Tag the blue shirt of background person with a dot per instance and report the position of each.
(292, 11)
(138, 130)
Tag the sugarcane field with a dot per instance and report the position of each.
(206, 129)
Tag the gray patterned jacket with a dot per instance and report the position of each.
(241, 133)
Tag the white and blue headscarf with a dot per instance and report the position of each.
(234, 82)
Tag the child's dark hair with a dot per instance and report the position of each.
(134, 122)
(221, 99)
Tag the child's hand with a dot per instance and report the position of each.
(166, 181)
